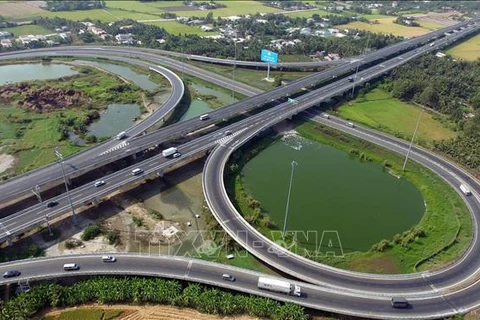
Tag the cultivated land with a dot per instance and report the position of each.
(386, 25)
(19, 8)
(468, 50)
(28, 29)
(380, 111)
(128, 312)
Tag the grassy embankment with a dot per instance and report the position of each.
(251, 77)
(443, 233)
(467, 50)
(32, 136)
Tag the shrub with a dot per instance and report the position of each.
(91, 232)
(73, 243)
(113, 236)
(138, 221)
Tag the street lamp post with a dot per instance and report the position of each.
(60, 160)
(293, 164)
(413, 138)
(36, 192)
(233, 73)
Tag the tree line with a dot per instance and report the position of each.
(60, 5)
(109, 290)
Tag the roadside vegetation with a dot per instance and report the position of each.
(445, 86)
(107, 290)
(442, 235)
(254, 78)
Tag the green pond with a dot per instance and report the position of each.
(353, 204)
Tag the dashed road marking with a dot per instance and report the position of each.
(117, 147)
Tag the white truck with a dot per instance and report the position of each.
(169, 152)
(121, 135)
(465, 190)
(280, 286)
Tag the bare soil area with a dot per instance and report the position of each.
(153, 313)
(442, 18)
(20, 8)
(6, 162)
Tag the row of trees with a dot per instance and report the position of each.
(60, 5)
(108, 290)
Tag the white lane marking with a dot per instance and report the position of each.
(118, 146)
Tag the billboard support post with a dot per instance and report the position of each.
(268, 57)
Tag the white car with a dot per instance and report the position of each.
(177, 154)
(109, 259)
(99, 183)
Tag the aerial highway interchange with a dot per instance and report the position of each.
(432, 294)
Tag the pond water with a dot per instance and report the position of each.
(140, 80)
(331, 191)
(34, 71)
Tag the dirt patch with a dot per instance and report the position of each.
(6, 162)
(41, 100)
(442, 18)
(20, 8)
(179, 8)
(151, 312)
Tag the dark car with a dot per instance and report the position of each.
(52, 204)
(11, 273)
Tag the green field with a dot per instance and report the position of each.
(175, 28)
(28, 29)
(468, 50)
(379, 110)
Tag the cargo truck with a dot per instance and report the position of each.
(169, 152)
(465, 190)
(280, 286)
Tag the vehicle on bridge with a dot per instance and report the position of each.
(399, 302)
(169, 152)
(280, 286)
(121, 135)
(11, 273)
(137, 171)
(70, 266)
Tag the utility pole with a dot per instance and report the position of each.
(355, 79)
(36, 192)
(183, 58)
(413, 138)
(293, 164)
(60, 160)
(233, 73)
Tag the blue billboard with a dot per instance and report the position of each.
(269, 56)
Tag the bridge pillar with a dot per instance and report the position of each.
(160, 173)
(95, 202)
(134, 156)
